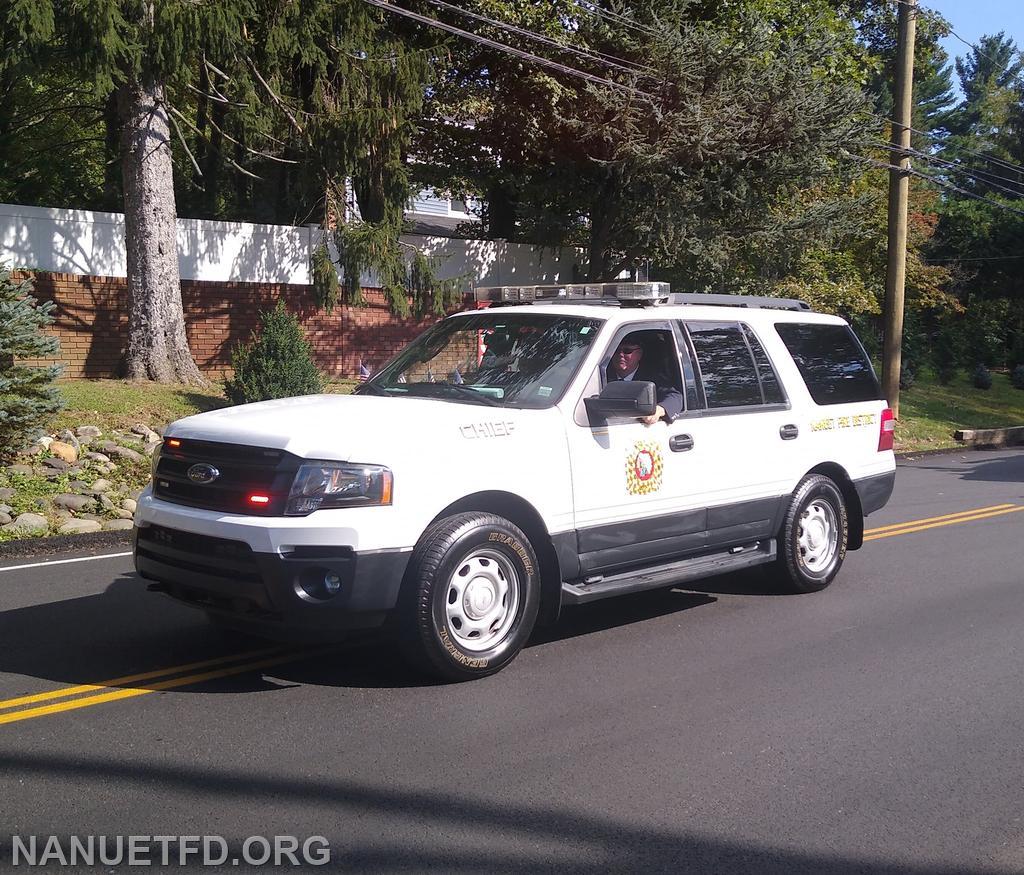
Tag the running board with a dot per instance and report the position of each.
(696, 568)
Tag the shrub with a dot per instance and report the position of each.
(27, 394)
(277, 364)
(907, 376)
(1016, 356)
(1017, 377)
(945, 355)
(984, 331)
(982, 378)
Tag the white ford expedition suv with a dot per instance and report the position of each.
(508, 462)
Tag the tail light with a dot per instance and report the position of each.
(886, 430)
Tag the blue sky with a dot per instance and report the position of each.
(975, 18)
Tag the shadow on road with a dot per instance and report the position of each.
(106, 638)
(980, 466)
(443, 831)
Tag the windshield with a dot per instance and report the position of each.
(490, 358)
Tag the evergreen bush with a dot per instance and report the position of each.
(907, 376)
(27, 395)
(945, 354)
(277, 364)
(1017, 377)
(984, 331)
(982, 378)
(1016, 356)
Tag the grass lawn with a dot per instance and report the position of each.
(930, 413)
(120, 404)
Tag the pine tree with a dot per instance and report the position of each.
(277, 364)
(27, 396)
(726, 141)
(306, 93)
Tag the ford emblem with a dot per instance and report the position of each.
(203, 473)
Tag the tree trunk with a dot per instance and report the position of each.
(157, 344)
(598, 248)
(113, 179)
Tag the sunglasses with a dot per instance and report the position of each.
(628, 350)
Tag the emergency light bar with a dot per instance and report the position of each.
(640, 293)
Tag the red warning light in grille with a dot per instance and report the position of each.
(259, 499)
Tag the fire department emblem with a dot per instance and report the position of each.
(643, 468)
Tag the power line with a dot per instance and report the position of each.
(935, 16)
(943, 141)
(980, 176)
(615, 17)
(590, 54)
(519, 53)
(935, 181)
(977, 258)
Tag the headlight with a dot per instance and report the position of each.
(319, 485)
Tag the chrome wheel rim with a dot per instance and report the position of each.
(818, 538)
(482, 600)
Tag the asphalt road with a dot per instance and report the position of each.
(877, 727)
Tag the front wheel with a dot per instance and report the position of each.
(812, 544)
(472, 595)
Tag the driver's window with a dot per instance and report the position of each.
(643, 354)
(651, 355)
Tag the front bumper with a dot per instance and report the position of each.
(262, 591)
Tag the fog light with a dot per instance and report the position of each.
(318, 584)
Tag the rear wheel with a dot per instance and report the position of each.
(812, 544)
(472, 594)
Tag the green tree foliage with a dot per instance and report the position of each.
(272, 106)
(278, 363)
(27, 394)
(724, 148)
(981, 238)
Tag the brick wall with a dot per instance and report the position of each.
(92, 323)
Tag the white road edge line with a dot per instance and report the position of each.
(65, 561)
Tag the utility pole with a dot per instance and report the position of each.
(899, 187)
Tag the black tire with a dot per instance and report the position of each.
(457, 637)
(809, 558)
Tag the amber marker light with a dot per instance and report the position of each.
(173, 442)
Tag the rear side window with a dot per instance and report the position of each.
(727, 369)
(831, 361)
(769, 381)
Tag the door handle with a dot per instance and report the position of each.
(788, 432)
(680, 443)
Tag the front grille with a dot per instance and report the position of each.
(198, 553)
(242, 472)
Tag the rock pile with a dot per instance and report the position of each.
(76, 481)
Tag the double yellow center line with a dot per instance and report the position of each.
(87, 695)
(238, 663)
(950, 519)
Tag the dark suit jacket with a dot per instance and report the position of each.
(669, 397)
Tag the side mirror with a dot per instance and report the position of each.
(623, 399)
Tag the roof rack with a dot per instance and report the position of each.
(750, 301)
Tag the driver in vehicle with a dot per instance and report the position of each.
(628, 363)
